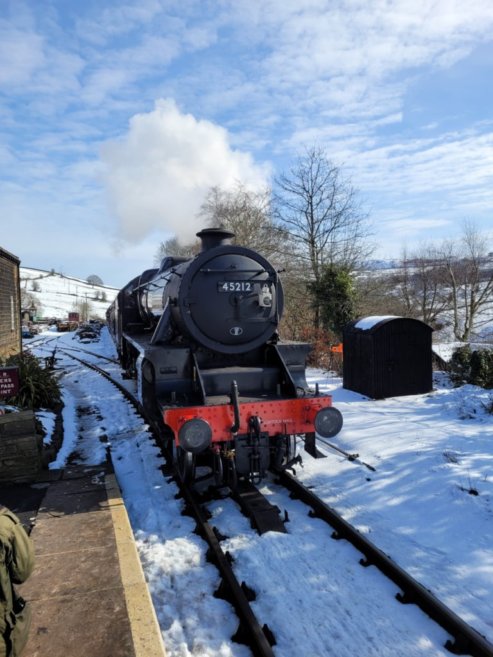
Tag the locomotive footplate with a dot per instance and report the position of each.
(276, 416)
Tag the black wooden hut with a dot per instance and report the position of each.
(387, 357)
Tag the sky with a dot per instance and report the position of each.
(426, 504)
(116, 118)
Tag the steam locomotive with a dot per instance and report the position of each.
(200, 336)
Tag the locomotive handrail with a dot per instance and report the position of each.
(149, 284)
(238, 271)
(236, 407)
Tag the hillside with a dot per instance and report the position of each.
(54, 295)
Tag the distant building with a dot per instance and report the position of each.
(10, 305)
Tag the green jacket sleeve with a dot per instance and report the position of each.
(19, 548)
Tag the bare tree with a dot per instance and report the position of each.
(376, 295)
(84, 308)
(30, 303)
(94, 279)
(172, 247)
(248, 214)
(470, 277)
(321, 212)
(422, 285)
(320, 209)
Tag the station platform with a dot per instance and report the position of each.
(87, 591)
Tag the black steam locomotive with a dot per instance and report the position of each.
(200, 336)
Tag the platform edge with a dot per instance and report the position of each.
(146, 633)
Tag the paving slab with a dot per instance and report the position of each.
(87, 591)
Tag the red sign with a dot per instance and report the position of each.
(73, 317)
(9, 381)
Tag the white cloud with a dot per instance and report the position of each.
(451, 163)
(158, 174)
(355, 58)
(21, 54)
(277, 74)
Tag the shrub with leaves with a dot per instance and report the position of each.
(460, 365)
(38, 387)
(482, 368)
(475, 367)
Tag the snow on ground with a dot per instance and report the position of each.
(55, 295)
(427, 505)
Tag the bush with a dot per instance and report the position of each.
(482, 368)
(475, 367)
(321, 354)
(460, 365)
(38, 387)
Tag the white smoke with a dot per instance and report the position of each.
(158, 174)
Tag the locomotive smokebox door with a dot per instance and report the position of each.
(229, 300)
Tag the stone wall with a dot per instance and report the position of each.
(20, 447)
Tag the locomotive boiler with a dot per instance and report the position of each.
(200, 335)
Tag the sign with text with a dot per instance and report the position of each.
(9, 381)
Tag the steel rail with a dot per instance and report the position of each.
(258, 638)
(91, 353)
(466, 640)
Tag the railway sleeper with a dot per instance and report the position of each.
(263, 515)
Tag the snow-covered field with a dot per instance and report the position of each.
(428, 504)
(55, 295)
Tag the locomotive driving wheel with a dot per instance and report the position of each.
(184, 462)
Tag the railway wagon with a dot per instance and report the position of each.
(200, 336)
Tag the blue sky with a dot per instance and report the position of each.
(117, 117)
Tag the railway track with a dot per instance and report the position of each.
(465, 640)
(259, 638)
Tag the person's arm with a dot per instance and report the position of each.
(21, 557)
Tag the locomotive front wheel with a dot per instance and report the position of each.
(184, 462)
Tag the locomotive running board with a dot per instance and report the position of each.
(278, 416)
(264, 517)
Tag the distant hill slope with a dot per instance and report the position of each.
(55, 295)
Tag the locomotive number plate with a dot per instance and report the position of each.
(235, 286)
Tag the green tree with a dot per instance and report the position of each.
(482, 368)
(334, 294)
(475, 367)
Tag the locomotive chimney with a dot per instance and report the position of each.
(212, 237)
